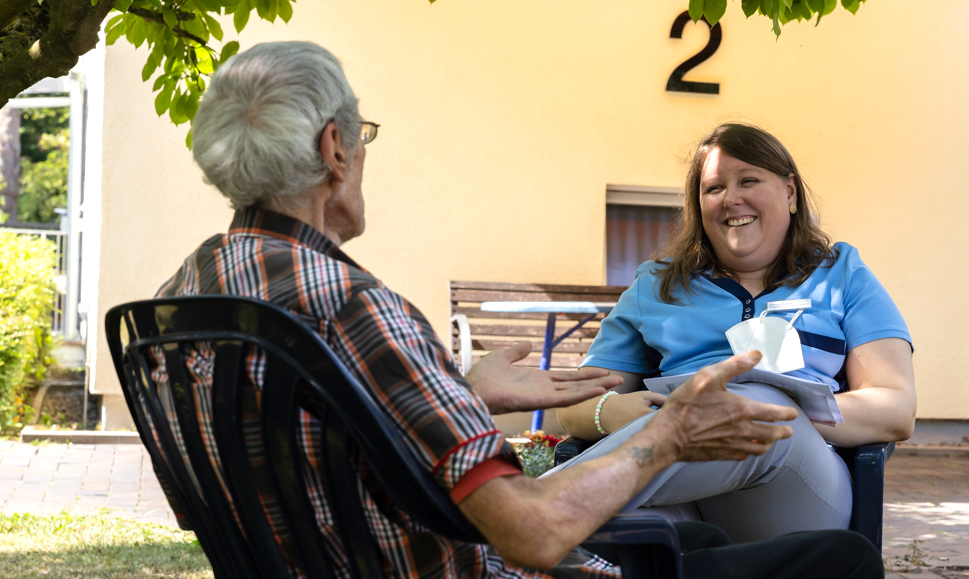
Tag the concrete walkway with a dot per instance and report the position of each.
(926, 498)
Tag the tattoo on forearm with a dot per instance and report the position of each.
(642, 455)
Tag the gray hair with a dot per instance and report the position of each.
(256, 134)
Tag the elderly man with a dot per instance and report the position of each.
(279, 134)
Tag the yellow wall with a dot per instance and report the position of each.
(503, 121)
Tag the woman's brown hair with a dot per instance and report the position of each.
(805, 247)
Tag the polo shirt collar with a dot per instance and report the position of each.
(255, 221)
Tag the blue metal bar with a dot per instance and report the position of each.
(572, 329)
(538, 417)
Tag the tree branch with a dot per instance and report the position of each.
(73, 31)
(152, 15)
(155, 17)
(10, 10)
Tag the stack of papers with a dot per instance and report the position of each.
(815, 399)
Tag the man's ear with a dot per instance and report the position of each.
(335, 156)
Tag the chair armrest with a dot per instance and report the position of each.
(646, 545)
(464, 337)
(868, 489)
(570, 448)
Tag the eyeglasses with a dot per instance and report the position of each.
(368, 131)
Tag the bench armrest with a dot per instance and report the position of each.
(464, 337)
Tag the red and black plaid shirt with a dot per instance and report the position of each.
(390, 347)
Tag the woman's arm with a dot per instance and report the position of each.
(617, 411)
(880, 403)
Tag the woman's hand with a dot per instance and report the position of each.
(618, 410)
(621, 409)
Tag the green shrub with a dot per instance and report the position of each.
(27, 295)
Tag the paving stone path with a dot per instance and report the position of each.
(83, 479)
(926, 498)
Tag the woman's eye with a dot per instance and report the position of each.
(712, 189)
(749, 181)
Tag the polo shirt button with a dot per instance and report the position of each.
(747, 302)
(746, 316)
(747, 310)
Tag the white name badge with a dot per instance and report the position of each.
(788, 305)
(775, 338)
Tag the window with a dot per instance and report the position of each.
(638, 221)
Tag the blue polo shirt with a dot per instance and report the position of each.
(644, 335)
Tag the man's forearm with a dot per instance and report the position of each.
(535, 523)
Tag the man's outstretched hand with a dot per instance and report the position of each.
(709, 423)
(506, 388)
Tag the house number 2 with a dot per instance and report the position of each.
(676, 82)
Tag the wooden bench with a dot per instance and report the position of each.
(474, 333)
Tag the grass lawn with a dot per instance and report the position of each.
(96, 547)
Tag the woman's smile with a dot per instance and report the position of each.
(740, 221)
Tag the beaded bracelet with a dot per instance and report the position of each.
(599, 409)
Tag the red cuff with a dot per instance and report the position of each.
(496, 466)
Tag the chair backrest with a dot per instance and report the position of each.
(495, 330)
(254, 436)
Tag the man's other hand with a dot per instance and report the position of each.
(506, 388)
(710, 423)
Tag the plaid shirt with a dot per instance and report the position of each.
(390, 347)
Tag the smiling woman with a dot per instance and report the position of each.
(748, 237)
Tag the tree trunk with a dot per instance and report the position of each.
(10, 162)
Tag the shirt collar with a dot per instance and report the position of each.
(255, 221)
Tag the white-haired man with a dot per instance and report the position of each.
(279, 134)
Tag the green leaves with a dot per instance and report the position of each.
(229, 50)
(749, 7)
(241, 17)
(179, 34)
(851, 5)
(696, 9)
(714, 9)
(780, 12)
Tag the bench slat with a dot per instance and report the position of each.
(525, 331)
(475, 312)
(540, 288)
(491, 345)
(499, 296)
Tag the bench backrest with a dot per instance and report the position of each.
(495, 330)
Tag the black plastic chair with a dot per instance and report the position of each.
(258, 450)
(865, 463)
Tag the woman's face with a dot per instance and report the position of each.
(744, 210)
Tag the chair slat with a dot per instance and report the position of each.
(209, 536)
(279, 422)
(234, 454)
(186, 411)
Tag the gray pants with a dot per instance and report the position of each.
(800, 484)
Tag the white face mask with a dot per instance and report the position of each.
(775, 338)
